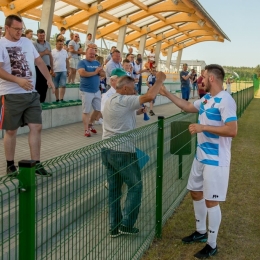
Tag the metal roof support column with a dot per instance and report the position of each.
(142, 44)
(92, 26)
(158, 51)
(47, 17)
(178, 62)
(121, 39)
(169, 58)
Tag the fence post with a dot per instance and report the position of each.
(27, 210)
(159, 176)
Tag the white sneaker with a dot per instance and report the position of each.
(101, 120)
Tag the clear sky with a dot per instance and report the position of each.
(240, 21)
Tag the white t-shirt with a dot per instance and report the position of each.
(106, 96)
(229, 88)
(18, 59)
(59, 60)
(151, 56)
(137, 68)
(215, 111)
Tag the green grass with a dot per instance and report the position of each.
(239, 234)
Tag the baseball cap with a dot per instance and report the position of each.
(118, 72)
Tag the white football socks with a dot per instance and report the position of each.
(214, 218)
(200, 211)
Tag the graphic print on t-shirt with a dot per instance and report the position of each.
(19, 64)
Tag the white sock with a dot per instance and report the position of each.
(200, 211)
(214, 217)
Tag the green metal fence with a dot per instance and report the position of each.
(66, 216)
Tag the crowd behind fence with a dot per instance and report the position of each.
(66, 216)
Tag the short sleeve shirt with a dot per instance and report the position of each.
(42, 47)
(119, 117)
(89, 84)
(76, 47)
(184, 83)
(213, 149)
(59, 60)
(18, 60)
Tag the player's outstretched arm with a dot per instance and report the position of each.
(181, 103)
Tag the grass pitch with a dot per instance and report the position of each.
(239, 234)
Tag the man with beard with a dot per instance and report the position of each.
(208, 181)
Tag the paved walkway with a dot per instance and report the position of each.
(60, 140)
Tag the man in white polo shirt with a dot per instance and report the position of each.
(60, 69)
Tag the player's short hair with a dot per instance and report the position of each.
(40, 31)
(216, 70)
(124, 81)
(62, 29)
(59, 40)
(116, 51)
(10, 18)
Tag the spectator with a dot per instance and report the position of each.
(114, 63)
(137, 72)
(151, 55)
(1, 28)
(185, 82)
(139, 56)
(115, 75)
(208, 180)
(193, 79)
(228, 83)
(74, 52)
(127, 68)
(119, 117)
(90, 72)
(201, 86)
(71, 38)
(62, 32)
(110, 54)
(60, 70)
(29, 34)
(150, 82)
(44, 49)
(89, 39)
(17, 92)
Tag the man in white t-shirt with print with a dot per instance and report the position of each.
(208, 181)
(60, 69)
(18, 98)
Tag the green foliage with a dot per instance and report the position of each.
(245, 73)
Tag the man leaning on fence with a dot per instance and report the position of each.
(19, 101)
(208, 180)
(119, 117)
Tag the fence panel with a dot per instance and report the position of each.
(73, 205)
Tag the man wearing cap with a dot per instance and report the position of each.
(90, 72)
(185, 82)
(120, 160)
(113, 81)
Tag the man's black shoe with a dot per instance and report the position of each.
(206, 252)
(128, 230)
(195, 237)
(39, 170)
(114, 233)
(11, 171)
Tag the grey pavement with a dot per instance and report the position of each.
(63, 139)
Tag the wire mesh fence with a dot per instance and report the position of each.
(107, 200)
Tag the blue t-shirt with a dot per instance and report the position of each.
(184, 83)
(89, 84)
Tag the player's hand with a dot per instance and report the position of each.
(163, 91)
(160, 76)
(195, 128)
(26, 84)
(51, 85)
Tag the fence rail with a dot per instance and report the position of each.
(66, 216)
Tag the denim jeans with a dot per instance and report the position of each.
(122, 168)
